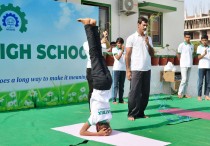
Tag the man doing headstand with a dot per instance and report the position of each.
(102, 81)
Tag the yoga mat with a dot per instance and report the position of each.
(182, 112)
(117, 138)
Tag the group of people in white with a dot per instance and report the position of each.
(185, 53)
(132, 61)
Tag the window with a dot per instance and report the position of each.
(154, 29)
(104, 16)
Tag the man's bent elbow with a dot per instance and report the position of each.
(82, 133)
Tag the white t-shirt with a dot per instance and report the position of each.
(186, 51)
(86, 49)
(205, 61)
(100, 107)
(119, 65)
(140, 58)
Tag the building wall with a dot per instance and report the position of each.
(122, 25)
(173, 23)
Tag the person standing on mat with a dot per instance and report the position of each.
(139, 49)
(102, 81)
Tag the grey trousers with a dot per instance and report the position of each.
(185, 72)
(139, 93)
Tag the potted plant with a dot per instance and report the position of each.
(176, 61)
(195, 58)
(155, 60)
(171, 58)
(167, 55)
(163, 59)
(108, 56)
(195, 55)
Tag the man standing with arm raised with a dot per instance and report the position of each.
(139, 50)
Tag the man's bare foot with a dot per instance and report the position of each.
(93, 22)
(207, 98)
(114, 102)
(131, 118)
(187, 96)
(180, 96)
(199, 98)
(86, 21)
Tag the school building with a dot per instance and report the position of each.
(197, 25)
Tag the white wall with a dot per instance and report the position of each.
(173, 26)
(122, 26)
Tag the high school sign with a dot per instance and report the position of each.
(42, 61)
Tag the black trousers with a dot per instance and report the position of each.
(101, 76)
(139, 93)
(118, 85)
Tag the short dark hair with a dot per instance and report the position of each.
(204, 37)
(101, 125)
(142, 19)
(113, 43)
(120, 40)
(186, 33)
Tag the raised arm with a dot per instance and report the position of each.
(105, 40)
(201, 55)
(150, 48)
(120, 54)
